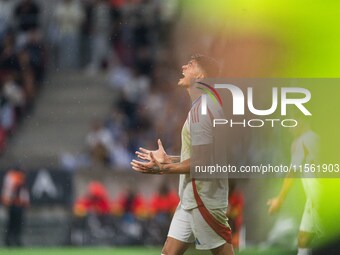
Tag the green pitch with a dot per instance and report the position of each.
(121, 251)
(81, 251)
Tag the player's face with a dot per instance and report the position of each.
(190, 71)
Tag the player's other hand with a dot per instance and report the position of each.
(151, 167)
(159, 154)
(274, 205)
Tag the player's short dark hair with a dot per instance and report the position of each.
(209, 65)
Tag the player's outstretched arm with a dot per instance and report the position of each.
(155, 167)
(276, 202)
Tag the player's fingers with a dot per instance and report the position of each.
(144, 150)
(136, 163)
(160, 145)
(142, 155)
(135, 167)
(138, 170)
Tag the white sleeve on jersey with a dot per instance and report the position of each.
(201, 128)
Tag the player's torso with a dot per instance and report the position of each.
(213, 192)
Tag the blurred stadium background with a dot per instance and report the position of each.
(84, 83)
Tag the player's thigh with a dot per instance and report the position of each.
(180, 233)
(173, 246)
(305, 239)
(307, 226)
(205, 237)
(225, 249)
(309, 222)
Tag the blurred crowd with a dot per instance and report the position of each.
(22, 63)
(131, 42)
(143, 78)
(146, 108)
(109, 32)
(128, 217)
(129, 39)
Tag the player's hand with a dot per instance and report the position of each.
(151, 167)
(274, 205)
(159, 154)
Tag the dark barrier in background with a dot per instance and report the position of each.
(48, 219)
(47, 186)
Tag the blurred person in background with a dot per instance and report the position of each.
(15, 95)
(130, 209)
(116, 29)
(164, 202)
(144, 60)
(137, 88)
(163, 205)
(8, 56)
(15, 198)
(69, 16)
(36, 54)
(304, 152)
(21, 72)
(145, 27)
(92, 215)
(100, 35)
(6, 16)
(22, 63)
(117, 123)
(121, 156)
(96, 201)
(10, 90)
(27, 17)
(168, 11)
(129, 12)
(235, 211)
(31, 69)
(130, 204)
(100, 143)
